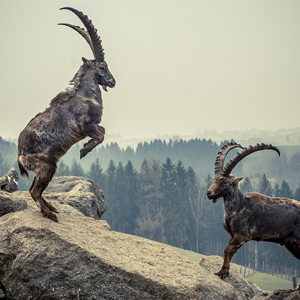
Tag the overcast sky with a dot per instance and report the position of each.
(180, 66)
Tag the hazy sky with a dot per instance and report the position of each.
(180, 66)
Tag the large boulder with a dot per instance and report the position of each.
(76, 195)
(68, 194)
(81, 258)
(11, 202)
(279, 295)
(245, 290)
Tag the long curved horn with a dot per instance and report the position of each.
(83, 33)
(96, 41)
(221, 156)
(247, 151)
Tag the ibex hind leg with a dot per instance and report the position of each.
(96, 132)
(101, 129)
(49, 205)
(39, 184)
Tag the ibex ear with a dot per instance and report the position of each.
(237, 179)
(86, 61)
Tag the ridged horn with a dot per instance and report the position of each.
(83, 33)
(222, 155)
(247, 151)
(92, 31)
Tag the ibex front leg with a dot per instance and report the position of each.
(96, 132)
(234, 244)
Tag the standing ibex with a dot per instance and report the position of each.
(252, 216)
(72, 116)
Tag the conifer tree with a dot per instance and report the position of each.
(265, 186)
(128, 197)
(76, 169)
(285, 190)
(151, 221)
(175, 201)
(276, 190)
(246, 186)
(63, 170)
(297, 193)
(96, 173)
(111, 196)
(132, 186)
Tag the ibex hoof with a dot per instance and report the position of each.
(51, 217)
(83, 153)
(54, 210)
(223, 275)
(51, 207)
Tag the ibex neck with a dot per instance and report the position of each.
(85, 84)
(91, 90)
(233, 200)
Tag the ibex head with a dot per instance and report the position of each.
(102, 73)
(224, 182)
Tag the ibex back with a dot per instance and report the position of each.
(72, 116)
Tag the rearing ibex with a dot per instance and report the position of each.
(72, 116)
(252, 216)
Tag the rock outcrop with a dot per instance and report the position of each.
(245, 290)
(76, 195)
(69, 194)
(8, 202)
(81, 258)
(11, 203)
(9, 182)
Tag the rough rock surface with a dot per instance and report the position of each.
(9, 182)
(279, 295)
(81, 258)
(76, 195)
(69, 194)
(245, 290)
(11, 203)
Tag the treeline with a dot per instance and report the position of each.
(158, 191)
(198, 153)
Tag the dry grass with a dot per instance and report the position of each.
(265, 281)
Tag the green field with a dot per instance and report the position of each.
(265, 281)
